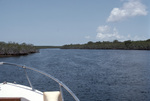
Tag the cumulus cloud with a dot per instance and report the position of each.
(129, 9)
(106, 33)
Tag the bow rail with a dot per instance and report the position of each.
(61, 84)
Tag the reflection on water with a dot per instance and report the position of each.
(93, 75)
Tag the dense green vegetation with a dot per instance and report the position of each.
(130, 45)
(13, 48)
(43, 47)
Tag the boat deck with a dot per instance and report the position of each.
(16, 92)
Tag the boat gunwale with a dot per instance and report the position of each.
(46, 74)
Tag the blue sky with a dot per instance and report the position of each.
(59, 22)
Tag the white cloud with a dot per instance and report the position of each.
(106, 33)
(129, 9)
(103, 28)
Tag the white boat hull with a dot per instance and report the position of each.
(11, 90)
(23, 93)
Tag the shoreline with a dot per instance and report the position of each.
(14, 55)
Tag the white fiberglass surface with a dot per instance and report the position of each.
(21, 91)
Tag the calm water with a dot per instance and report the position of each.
(93, 75)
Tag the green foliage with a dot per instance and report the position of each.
(44, 47)
(127, 43)
(115, 41)
(148, 40)
(133, 45)
(13, 48)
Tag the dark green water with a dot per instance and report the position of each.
(93, 75)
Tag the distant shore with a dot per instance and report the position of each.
(44, 47)
(126, 45)
(15, 49)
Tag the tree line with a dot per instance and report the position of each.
(128, 45)
(45, 47)
(13, 48)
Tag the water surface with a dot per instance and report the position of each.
(93, 75)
